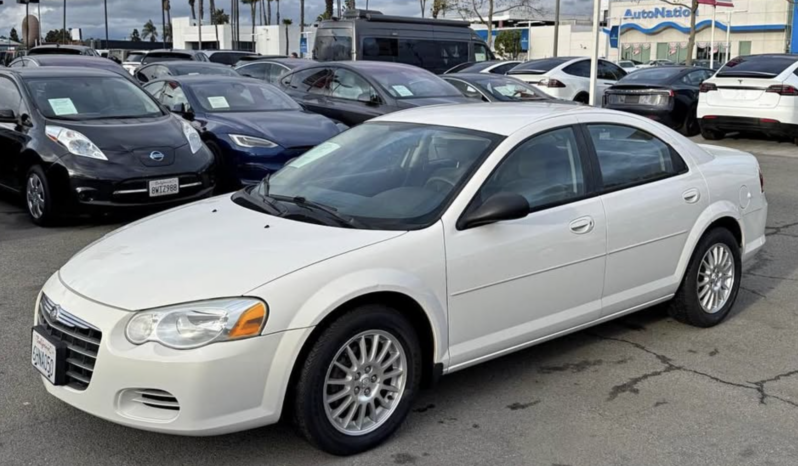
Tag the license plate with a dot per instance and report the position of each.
(48, 356)
(164, 187)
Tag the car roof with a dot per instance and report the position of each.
(365, 65)
(177, 51)
(69, 60)
(191, 78)
(504, 119)
(58, 46)
(186, 64)
(212, 52)
(472, 76)
(61, 71)
(284, 61)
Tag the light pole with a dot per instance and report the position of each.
(105, 4)
(728, 32)
(557, 25)
(64, 29)
(595, 52)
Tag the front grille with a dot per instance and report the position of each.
(137, 191)
(82, 340)
(156, 399)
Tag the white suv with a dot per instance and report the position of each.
(568, 78)
(757, 93)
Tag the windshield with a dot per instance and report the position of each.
(408, 83)
(765, 66)
(333, 44)
(231, 96)
(510, 90)
(135, 57)
(181, 70)
(652, 75)
(54, 51)
(90, 98)
(394, 176)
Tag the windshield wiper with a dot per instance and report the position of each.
(344, 220)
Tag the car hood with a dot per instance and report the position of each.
(424, 101)
(287, 128)
(123, 136)
(209, 249)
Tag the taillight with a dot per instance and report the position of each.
(552, 83)
(761, 181)
(707, 87)
(782, 89)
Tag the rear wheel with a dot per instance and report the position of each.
(711, 282)
(38, 197)
(711, 135)
(358, 382)
(690, 127)
(225, 180)
(583, 98)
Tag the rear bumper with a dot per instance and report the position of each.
(664, 115)
(772, 127)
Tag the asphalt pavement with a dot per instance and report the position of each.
(644, 390)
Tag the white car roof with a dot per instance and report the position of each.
(498, 118)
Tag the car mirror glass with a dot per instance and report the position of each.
(497, 208)
(8, 116)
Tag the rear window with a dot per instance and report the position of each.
(191, 70)
(228, 58)
(539, 66)
(54, 51)
(333, 45)
(766, 66)
(158, 57)
(652, 75)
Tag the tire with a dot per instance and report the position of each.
(711, 135)
(691, 127)
(582, 98)
(317, 421)
(39, 201)
(225, 181)
(687, 306)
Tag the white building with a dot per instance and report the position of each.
(268, 40)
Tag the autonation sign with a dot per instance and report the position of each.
(656, 13)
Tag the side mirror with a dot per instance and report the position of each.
(372, 99)
(499, 207)
(182, 110)
(8, 116)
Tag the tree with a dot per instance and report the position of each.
(253, 6)
(691, 40)
(167, 32)
(423, 4)
(193, 10)
(508, 43)
(278, 11)
(57, 36)
(212, 5)
(439, 7)
(134, 37)
(13, 35)
(287, 23)
(486, 10)
(149, 31)
(220, 17)
(350, 4)
(269, 11)
(328, 9)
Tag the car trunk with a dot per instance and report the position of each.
(639, 94)
(744, 92)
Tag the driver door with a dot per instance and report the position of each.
(515, 282)
(352, 99)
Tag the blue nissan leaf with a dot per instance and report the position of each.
(251, 127)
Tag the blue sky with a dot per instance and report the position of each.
(124, 15)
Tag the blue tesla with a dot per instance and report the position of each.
(251, 127)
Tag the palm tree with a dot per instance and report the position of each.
(193, 10)
(287, 23)
(199, 25)
(278, 11)
(167, 6)
(149, 31)
(269, 12)
(328, 8)
(253, 7)
(212, 4)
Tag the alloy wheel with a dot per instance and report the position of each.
(365, 382)
(716, 277)
(35, 195)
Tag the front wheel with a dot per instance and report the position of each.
(358, 382)
(38, 197)
(711, 135)
(711, 282)
(690, 127)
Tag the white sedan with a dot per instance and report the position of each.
(415, 245)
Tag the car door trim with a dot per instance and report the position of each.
(650, 241)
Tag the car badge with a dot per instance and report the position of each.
(157, 156)
(54, 311)
(740, 80)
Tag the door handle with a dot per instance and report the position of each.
(582, 225)
(691, 196)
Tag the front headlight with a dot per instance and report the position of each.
(75, 142)
(193, 137)
(249, 141)
(186, 326)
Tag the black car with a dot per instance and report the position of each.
(76, 140)
(252, 128)
(228, 57)
(79, 61)
(250, 58)
(160, 70)
(491, 66)
(492, 88)
(666, 94)
(354, 92)
(155, 56)
(57, 49)
(271, 69)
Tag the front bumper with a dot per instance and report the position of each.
(727, 124)
(221, 388)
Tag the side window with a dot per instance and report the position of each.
(467, 89)
(255, 70)
(274, 72)
(580, 69)
(173, 95)
(155, 89)
(10, 98)
(481, 52)
(315, 81)
(609, 72)
(628, 156)
(546, 170)
(503, 69)
(350, 86)
(380, 49)
(142, 75)
(695, 78)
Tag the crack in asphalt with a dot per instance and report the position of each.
(630, 386)
(771, 277)
(777, 230)
(752, 291)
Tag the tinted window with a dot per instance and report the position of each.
(274, 72)
(202, 69)
(155, 89)
(460, 68)
(10, 98)
(509, 89)
(411, 83)
(628, 156)
(135, 57)
(350, 86)
(695, 78)
(466, 89)
(540, 66)
(54, 51)
(255, 70)
(173, 95)
(227, 58)
(333, 45)
(165, 56)
(314, 80)
(481, 52)
(89, 98)
(503, 69)
(580, 69)
(653, 75)
(243, 96)
(757, 66)
(611, 69)
(435, 56)
(546, 170)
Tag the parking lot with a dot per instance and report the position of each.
(642, 390)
